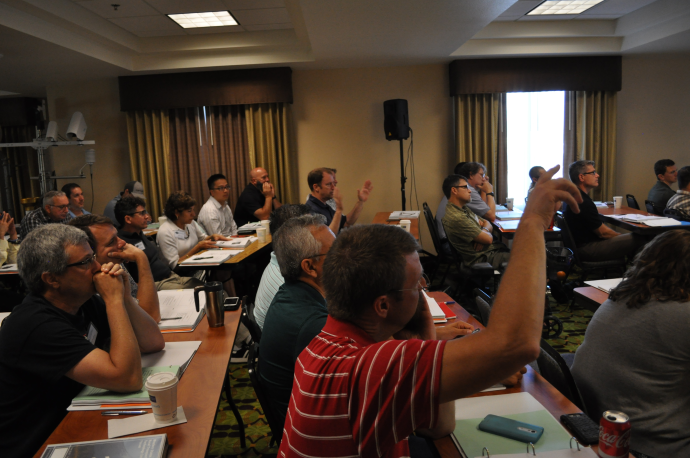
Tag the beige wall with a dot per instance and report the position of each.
(99, 102)
(339, 123)
(653, 120)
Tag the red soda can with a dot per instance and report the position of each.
(614, 435)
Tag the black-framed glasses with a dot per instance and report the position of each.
(61, 207)
(222, 188)
(463, 186)
(424, 286)
(142, 213)
(86, 262)
(589, 173)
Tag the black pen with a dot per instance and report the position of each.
(196, 259)
(113, 413)
(167, 319)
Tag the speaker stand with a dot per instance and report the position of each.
(403, 179)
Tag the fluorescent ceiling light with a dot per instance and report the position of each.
(563, 7)
(210, 19)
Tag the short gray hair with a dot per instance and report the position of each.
(45, 250)
(50, 195)
(294, 242)
(577, 168)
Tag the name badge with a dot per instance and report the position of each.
(93, 333)
(140, 245)
(182, 235)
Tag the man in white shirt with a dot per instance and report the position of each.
(215, 216)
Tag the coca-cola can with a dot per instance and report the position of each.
(614, 435)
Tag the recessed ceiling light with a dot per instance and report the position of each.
(563, 7)
(208, 19)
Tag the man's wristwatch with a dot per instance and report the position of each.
(490, 194)
(15, 241)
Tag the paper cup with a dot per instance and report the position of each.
(261, 234)
(266, 224)
(405, 224)
(162, 219)
(509, 203)
(617, 201)
(162, 388)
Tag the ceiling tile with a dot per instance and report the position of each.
(521, 8)
(618, 8)
(263, 16)
(252, 28)
(186, 6)
(253, 4)
(127, 8)
(146, 23)
(207, 30)
(160, 33)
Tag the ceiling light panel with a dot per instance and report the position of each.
(208, 19)
(570, 7)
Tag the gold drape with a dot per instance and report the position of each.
(189, 157)
(272, 146)
(17, 165)
(480, 135)
(590, 134)
(149, 154)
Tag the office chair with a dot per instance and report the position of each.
(554, 369)
(442, 252)
(248, 320)
(271, 417)
(632, 202)
(653, 208)
(678, 215)
(478, 273)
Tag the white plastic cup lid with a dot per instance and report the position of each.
(161, 380)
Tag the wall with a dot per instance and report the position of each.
(653, 120)
(339, 123)
(99, 102)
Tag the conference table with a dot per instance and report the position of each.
(590, 297)
(382, 218)
(605, 214)
(199, 393)
(532, 382)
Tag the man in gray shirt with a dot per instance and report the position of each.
(483, 202)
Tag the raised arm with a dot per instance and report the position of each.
(335, 222)
(511, 339)
(362, 196)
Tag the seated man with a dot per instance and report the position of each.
(298, 311)
(78, 326)
(357, 392)
(595, 241)
(271, 279)
(215, 216)
(483, 202)
(133, 188)
(469, 234)
(257, 200)
(681, 200)
(322, 186)
(55, 209)
(108, 247)
(131, 215)
(76, 199)
(441, 211)
(666, 175)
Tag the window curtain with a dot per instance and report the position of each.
(480, 135)
(590, 134)
(272, 146)
(17, 165)
(149, 154)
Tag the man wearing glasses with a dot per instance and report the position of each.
(469, 234)
(215, 216)
(595, 241)
(78, 326)
(55, 209)
(131, 214)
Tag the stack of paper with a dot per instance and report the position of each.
(398, 215)
(210, 258)
(436, 312)
(661, 222)
(249, 227)
(605, 285)
(178, 311)
(174, 354)
(9, 269)
(507, 216)
(239, 243)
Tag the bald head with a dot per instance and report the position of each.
(259, 176)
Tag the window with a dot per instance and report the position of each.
(534, 136)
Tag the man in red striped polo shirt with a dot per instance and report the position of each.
(357, 392)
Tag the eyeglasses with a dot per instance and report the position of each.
(463, 186)
(316, 255)
(222, 188)
(86, 262)
(588, 173)
(142, 213)
(420, 286)
(61, 207)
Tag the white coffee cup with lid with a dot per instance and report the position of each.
(617, 201)
(162, 389)
(261, 234)
(405, 224)
(266, 224)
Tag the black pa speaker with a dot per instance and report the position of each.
(395, 121)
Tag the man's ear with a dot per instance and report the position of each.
(382, 306)
(307, 266)
(660, 176)
(50, 280)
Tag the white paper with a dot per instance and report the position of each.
(636, 217)
(502, 404)
(174, 354)
(434, 308)
(410, 214)
(249, 226)
(179, 304)
(140, 423)
(9, 269)
(605, 285)
(510, 215)
(661, 222)
(567, 453)
(496, 387)
(210, 257)
(4, 315)
(240, 243)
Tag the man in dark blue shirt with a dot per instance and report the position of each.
(323, 187)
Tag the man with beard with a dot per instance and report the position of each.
(371, 378)
(257, 200)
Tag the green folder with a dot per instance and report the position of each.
(96, 396)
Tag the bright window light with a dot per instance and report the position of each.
(209, 19)
(564, 7)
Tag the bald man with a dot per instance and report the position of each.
(258, 199)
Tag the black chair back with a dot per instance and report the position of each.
(566, 235)
(555, 370)
(248, 320)
(433, 229)
(675, 214)
(632, 202)
(271, 417)
(483, 306)
(653, 208)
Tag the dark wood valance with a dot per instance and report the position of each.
(535, 74)
(195, 89)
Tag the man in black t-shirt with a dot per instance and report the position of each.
(595, 241)
(258, 199)
(64, 336)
